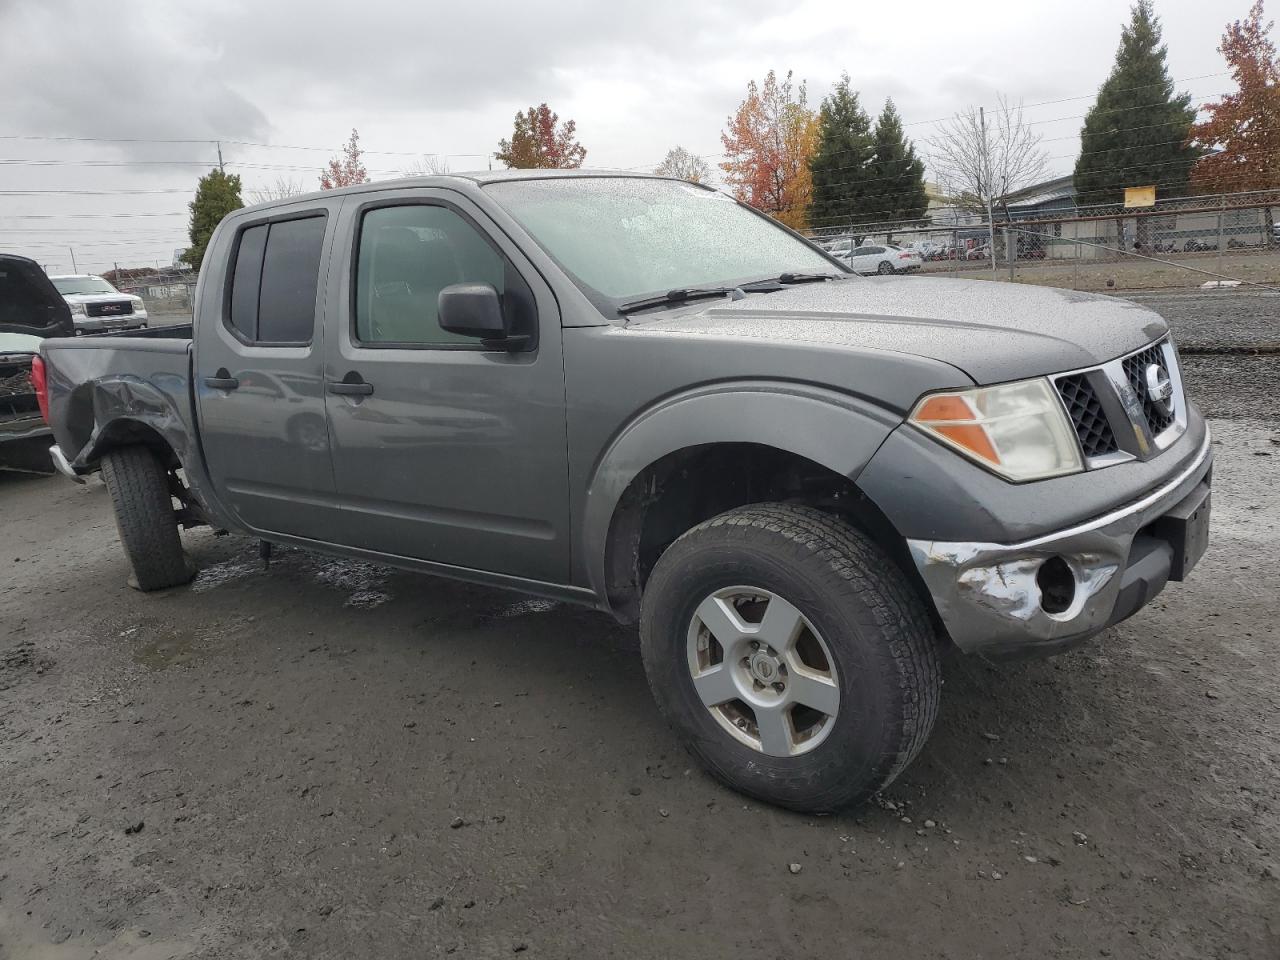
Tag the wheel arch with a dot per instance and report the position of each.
(700, 453)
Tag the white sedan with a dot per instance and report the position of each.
(876, 258)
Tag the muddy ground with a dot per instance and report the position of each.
(333, 759)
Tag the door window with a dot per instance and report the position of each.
(275, 279)
(407, 255)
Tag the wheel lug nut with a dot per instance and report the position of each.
(779, 687)
(755, 644)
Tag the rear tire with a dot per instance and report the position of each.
(139, 487)
(879, 682)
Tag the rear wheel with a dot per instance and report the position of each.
(791, 656)
(140, 492)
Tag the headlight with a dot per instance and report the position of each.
(139, 306)
(77, 309)
(1018, 430)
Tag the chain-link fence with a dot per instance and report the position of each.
(168, 296)
(1177, 243)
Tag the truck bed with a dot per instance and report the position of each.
(122, 381)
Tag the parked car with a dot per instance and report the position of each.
(30, 310)
(982, 252)
(877, 258)
(640, 395)
(96, 305)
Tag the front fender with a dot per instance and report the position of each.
(830, 428)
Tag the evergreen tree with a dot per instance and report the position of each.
(217, 194)
(1136, 132)
(895, 189)
(841, 162)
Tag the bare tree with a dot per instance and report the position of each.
(684, 165)
(980, 156)
(431, 165)
(282, 188)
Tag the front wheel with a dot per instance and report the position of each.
(139, 486)
(885, 267)
(790, 655)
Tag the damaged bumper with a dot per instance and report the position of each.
(1042, 595)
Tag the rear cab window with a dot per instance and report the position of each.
(274, 281)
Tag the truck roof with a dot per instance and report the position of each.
(452, 179)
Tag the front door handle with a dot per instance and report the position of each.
(348, 389)
(222, 380)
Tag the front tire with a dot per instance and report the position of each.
(139, 487)
(885, 268)
(791, 656)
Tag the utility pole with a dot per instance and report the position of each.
(986, 177)
(220, 167)
(74, 268)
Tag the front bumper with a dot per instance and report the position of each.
(23, 428)
(991, 603)
(98, 324)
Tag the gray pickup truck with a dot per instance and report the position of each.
(638, 394)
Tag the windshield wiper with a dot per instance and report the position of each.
(789, 278)
(701, 293)
(675, 296)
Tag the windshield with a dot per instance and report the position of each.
(622, 238)
(74, 285)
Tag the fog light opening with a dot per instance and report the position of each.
(1057, 585)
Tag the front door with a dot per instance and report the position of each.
(445, 450)
(258, 377)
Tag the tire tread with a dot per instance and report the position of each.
(139, 488)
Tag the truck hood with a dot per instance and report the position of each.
(992, 331)
(97, 297)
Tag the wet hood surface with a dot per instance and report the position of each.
(992, 331)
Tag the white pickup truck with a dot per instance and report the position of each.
(96, 305)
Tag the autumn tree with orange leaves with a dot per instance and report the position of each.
(768, 143)
(1243, 128)
(348, 169)
(539, 141)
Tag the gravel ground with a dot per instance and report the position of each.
(335, 759)
(1219, 320)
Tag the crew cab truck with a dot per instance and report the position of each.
(638, 394)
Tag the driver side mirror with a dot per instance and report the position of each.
(473, 310)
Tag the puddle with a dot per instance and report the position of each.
(167, 649)
(364, 580)
(525, 608)
(225, 572)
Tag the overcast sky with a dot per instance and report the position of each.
(435, 78)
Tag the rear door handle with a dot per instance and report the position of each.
(351, 389)
(222, 380)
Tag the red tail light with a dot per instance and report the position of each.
(904, 256)
(41, 384)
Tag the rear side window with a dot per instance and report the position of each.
(275, 280)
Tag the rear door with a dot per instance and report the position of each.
(452, 452)
(258, 371)
(866, 259)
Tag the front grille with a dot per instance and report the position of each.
(111, 308)
(1135, 368)
(1087, 415)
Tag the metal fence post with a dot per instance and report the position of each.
(1219, 241)
(1008, 249)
